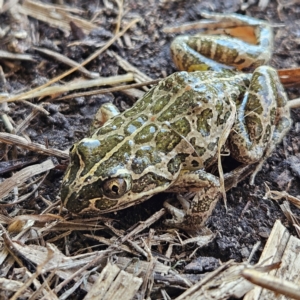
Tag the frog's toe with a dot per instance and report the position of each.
(177, 214)
(183, 218)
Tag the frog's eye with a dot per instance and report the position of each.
(115, 187)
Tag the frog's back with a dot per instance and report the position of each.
(177, 123)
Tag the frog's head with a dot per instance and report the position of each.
(100, 178)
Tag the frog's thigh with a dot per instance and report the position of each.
(194, 214)
(262, 118)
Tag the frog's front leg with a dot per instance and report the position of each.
(218, 52)
(103, 114)
(194, 214)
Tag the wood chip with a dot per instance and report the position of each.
(20, 177)
(114, 284)
(226, 281)
(281, 246)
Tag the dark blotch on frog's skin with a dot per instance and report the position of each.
(75, 204)
(146, 134)
(108, 127)
(144, 157)
(181, 126)
(167, 140)
(104, 204)
(135, 124)
(149, 180)
(202, 122)
(140, 105)
(182, 104)
(175, 163)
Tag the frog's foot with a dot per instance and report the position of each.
(195, 211)
(218, 52)
(189, 218)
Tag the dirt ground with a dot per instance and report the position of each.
(250, 216)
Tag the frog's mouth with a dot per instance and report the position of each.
(102, 205)
(94, 195)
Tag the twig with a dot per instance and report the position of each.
(16, 140)
(144, 225)
(75, 85)
(139, 76)
(3, 106)
(36, 107)
(277, 285)
(120, 13)
(91, 57)
(67, 61)
(15, 56)
(110, 90)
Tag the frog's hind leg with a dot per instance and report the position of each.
(262, 120)
(211, 52)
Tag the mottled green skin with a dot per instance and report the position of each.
(176, 126)
(169, 138)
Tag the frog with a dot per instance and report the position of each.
(171, 137)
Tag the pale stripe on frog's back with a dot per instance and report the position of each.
(192, 95)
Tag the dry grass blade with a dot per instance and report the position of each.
(55, 15)
(15, 56)
(240, 173)
(16, 140)
(35, 107)
(109, 90)
(10, 285)
(90, 58)
(148, 279)
(219, 284)
(144, 224)
(18, 178)
(110, 242)
(3, 106)
(78, 225)
(71, 86)
(64, 59)
(120, 13)
(13, 165)
(138, 75)
(277, 195)
(33, 277)
(23, 222)
(227, 128)
(201, 240)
